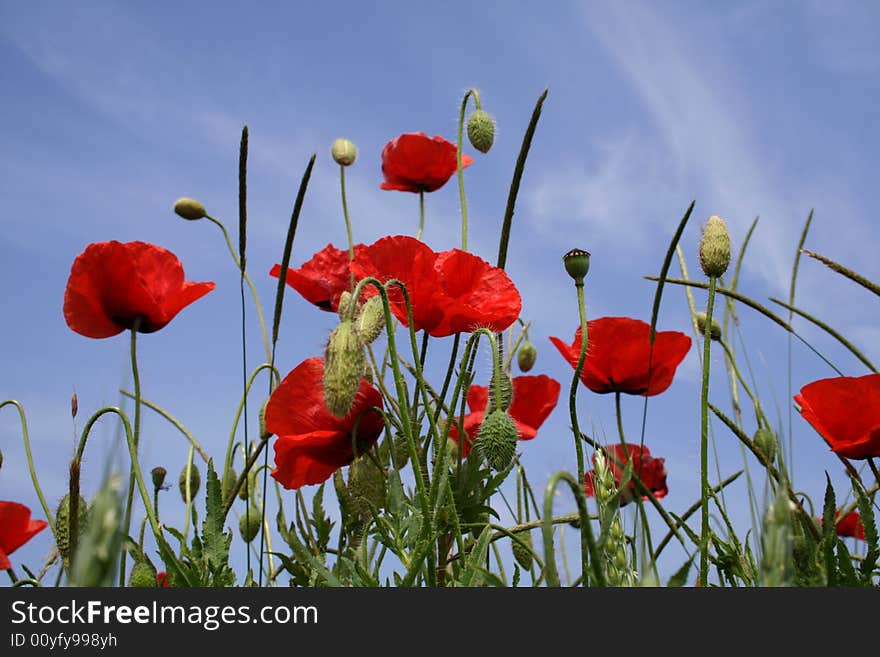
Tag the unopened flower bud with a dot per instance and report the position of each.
(249, 486)
(481, 130)
(344, 303)
(195, 480)
(344, 152)
(62, 525)
(526, 356)
(496, 440)
(577, 264)
(366, 483)
(74, 405)
(264, 432)
(522, 554)
(229, 481)
(344, 362)
(715, 247)
(143, 576)
(505, 386)
(158, 474)
(765, 441)
(715, 333)
(371, 320)
(249, 524)
(190, 209)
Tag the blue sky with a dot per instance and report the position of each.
(112, 111)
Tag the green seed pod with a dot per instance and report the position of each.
(481, 130)
(249, 524)
(344, 363)
(190, 209)
(715, 247)
(62, 526)
(371, 320)
(496, 441)
(521, 554)
(158, 474)
(716, 327)
(143, 576)
(506, 390)
(195, 480)
(366, 483)
(249, 486)
(526, 356)
(344, 152)
(577, 264)
(765, 441)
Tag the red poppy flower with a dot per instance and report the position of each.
(162, 579)
(16, 529)
(312, 442)
(650, 470)
(846, 413)
(450, 292)
(415, 162)
(534, 398)
(112, 284)
(850, 525)
(323, 279)
(618, 353)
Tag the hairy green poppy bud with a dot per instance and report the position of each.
(143, 576)
(522, 555)
(195, 480)
(715, 333)
(481, 130)
(366, 483)
(577, 264)
(344, 363)
(190, 209)
(765, 441)
(505, 388)
(344, 152)
(496, 440)
(249, 486)
(526, 356)
(158, 474)
(344, 303)
(249, 524)
(371, 320)
(715, 247)
(229, 481)
(342, 494)
(62, 526)
(264, 433)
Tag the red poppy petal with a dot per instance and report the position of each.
(310, 458)
(472, 422)
(414, 162)
(478, 398)
(189, 293)
(323, 279)
(16, 529)
(534, 398)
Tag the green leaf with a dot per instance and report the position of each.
(321, 523)
(476, 559)
(866, 569)
(829, 536)
(679, 578)
(215, 540)
(844, 562)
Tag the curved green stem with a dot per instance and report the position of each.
(173, 420)
(550, 572)
(126, 522)
(421, 214)
(459, 169)
(704, 440)
(50, 518)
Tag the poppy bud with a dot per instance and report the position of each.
(344, 302)
(249, 524)
(481, 130)
(158, 474)
(765, 441)
(577, 264)
(195, 480)
(715, 247)
(62, 525)
(371, 320)
(520, 553)
(74, 405)
(190, 209)
(344, 152)
(342, 494)
(526, 356)
(505, 388)
(229, 481)
(344, 362)
(264, 432)
(143, 576)
(496, 440)
(715, 333)
(249, 486)
(366, 483)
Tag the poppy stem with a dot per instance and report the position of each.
(421, 214)
(704, 439)
(135, 438)
(459, 169)
(347, 219)
(586, 538)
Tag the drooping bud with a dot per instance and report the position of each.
(344, 152)
(481, 130)
(249, 524)
(249, 486)
(496, 440)
(264, 433)
(371, 320)
(344, 303)
(505, 387)
(158, 474)
(526, 356)
(715, 247)
(765, 441)
(195, 480)
(715, 333)
(577, 264)
(366, 483)
(62, 526)
(190, 209)
(344, 362)
(522, 555)
(143, 576)
(229, 481)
